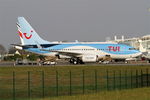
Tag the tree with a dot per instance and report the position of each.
(2, 49)
(11, 55)
(11, 50)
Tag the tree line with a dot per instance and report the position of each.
(11, 54)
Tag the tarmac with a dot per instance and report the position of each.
(66, 63)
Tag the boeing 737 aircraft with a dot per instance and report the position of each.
(77, 52)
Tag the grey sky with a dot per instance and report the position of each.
(83, 20)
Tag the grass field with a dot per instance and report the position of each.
(71, 67)
(50, 81)
(134, 94)
(8, 69)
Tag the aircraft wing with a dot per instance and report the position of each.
(22, 46)
(17, 45)
(72, 54)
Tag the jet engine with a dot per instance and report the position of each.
(89, 58)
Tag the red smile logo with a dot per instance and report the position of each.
(27, 37)
(24, 34)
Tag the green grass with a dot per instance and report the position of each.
(69, 67)
(50, 88)
(134, 94)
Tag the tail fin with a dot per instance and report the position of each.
(27, 34)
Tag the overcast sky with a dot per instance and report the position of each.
(83, 20)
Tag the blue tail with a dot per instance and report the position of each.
(27, 34)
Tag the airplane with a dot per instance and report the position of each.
(76, 52)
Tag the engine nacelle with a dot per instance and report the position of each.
(89, 58)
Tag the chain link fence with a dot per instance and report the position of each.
(41, 84)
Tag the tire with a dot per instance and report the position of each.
(75, 62)
(71, 61)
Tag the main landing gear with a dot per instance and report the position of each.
(76, 61)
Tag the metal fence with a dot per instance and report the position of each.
(41, 84)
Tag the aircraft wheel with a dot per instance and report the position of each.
(71, 61)
(75, 62)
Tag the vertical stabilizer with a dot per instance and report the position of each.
(27, 34)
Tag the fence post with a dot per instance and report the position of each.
(95, 80)
(107, 80)
(83, 81)
(131, 79)
(141, 78)
(114, 80)
(70, 83)
(120, 80)
(126, 78)
(43, 85)
(136, 78)
(147, 77)
(29, 93)
(14, 90)
(56, 83)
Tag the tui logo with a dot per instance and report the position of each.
(115, 49)
(25, 35)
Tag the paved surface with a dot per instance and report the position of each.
(65, 63)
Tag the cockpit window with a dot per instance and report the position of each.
(132, 49)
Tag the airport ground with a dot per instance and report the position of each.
(134, 94)
(66, 63)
